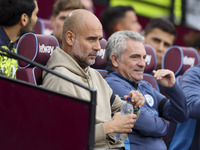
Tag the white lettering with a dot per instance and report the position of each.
(48, 32)
(148, 59)
(46, 49)
(188, 61)
(101, 53)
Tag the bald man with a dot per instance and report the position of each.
(82, 32)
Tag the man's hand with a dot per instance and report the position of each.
(165, 77)
(120, 123)
(137, 98)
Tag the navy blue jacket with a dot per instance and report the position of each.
(150, 127)
(186, 136)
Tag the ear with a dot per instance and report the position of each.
(24, 19)
(118, 27)
(114, 60)
(70, 38)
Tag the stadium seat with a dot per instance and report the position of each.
(43, 26)
(151, 64)
(151, 59)
(179, 59)
(38, 48)
(100, 62)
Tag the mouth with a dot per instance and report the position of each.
(139, 71)
(93, 55)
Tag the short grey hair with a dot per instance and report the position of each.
(117, 44)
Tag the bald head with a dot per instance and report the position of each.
(77, 20)
(82, 32)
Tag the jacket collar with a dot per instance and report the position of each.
(135, 85)
(60, 58)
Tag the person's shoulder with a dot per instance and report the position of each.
(193, 70)
(95, 73)
(3, 38)
(2, 41)
(111, 76)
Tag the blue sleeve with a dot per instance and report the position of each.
(190, 84)
(176, 109)
(149, 124)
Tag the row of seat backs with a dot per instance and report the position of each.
(38, 47)
(178, 59)
(43, 26)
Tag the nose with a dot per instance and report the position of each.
(97, 45)
(160, 47)
(142, 63)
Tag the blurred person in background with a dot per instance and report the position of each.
(88, 4)
(17, 18)
(61, 9)
(120, 18)
(160, 34)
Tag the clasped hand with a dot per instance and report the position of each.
(137, 98)
(123, 123)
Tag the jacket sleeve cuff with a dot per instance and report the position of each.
(99, 132)
(171, 89)
(137, 113)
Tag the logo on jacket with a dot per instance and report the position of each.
(149, 99)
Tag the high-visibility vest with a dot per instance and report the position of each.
(8, 66)
(153, 8)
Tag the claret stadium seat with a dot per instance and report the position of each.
(38, 48)
(179, 59)
(151, 59)
(100, 62)
(151, 64)
(43, 26)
